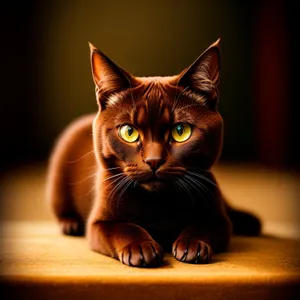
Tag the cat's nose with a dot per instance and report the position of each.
(154, 162)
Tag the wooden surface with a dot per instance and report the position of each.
(39, 263)
(36, 255)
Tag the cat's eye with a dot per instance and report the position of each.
(128, 133)
(181, 132)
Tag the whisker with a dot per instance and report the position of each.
(200, 188)
(76, 160)
(116, 179)
(185, 184)
(200, 170)
(129, 182)
(117, 186)
(92, 175)
(112, 192)
(123, 189)
(121, 186)
(88, 168)
(85, 195)
(204, 178)
(181, 186)
(109, 169)
(113, 176)
(194, 183)
(204, 187)
(81, 181)
(177, 185)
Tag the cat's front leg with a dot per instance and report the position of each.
(128, 242)
(196, 244)
(193, 246)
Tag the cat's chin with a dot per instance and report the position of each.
(154, 185)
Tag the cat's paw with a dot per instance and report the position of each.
(71, 226)
(143, 254)
(192, 250)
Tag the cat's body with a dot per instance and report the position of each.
(137, 176)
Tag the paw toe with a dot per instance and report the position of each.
(72, 227)
(142, 254)
(192, 250)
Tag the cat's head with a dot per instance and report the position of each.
(158, 130)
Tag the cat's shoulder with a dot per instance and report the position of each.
(79, 125)
(76, 131)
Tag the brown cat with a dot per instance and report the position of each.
(137, 175)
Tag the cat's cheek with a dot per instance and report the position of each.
(194, 152)
(121, 150)
(183, 151)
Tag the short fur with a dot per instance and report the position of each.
(137, 200)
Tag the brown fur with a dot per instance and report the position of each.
(137, 200)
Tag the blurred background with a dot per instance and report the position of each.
(47, 83)
(47, 79)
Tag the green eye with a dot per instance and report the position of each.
(181, 132)
(128, 133)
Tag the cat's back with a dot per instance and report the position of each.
(72, 167)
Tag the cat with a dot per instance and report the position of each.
(136, 177)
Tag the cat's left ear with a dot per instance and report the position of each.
(203, 76)
(108, 77)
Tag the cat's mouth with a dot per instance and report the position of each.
(152, 179)
(159, 180)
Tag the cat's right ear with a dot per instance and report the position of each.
(203, 76)
(108, 77)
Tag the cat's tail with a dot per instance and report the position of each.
(244, 223)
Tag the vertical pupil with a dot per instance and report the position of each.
(180, 129)
(129, 130)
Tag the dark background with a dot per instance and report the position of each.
(46, 78)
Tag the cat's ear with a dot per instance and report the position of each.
(203, 76)
(108, 77)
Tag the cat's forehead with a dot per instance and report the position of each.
(147, 104)
(152, 113)
(149, 92)
(154, 103)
